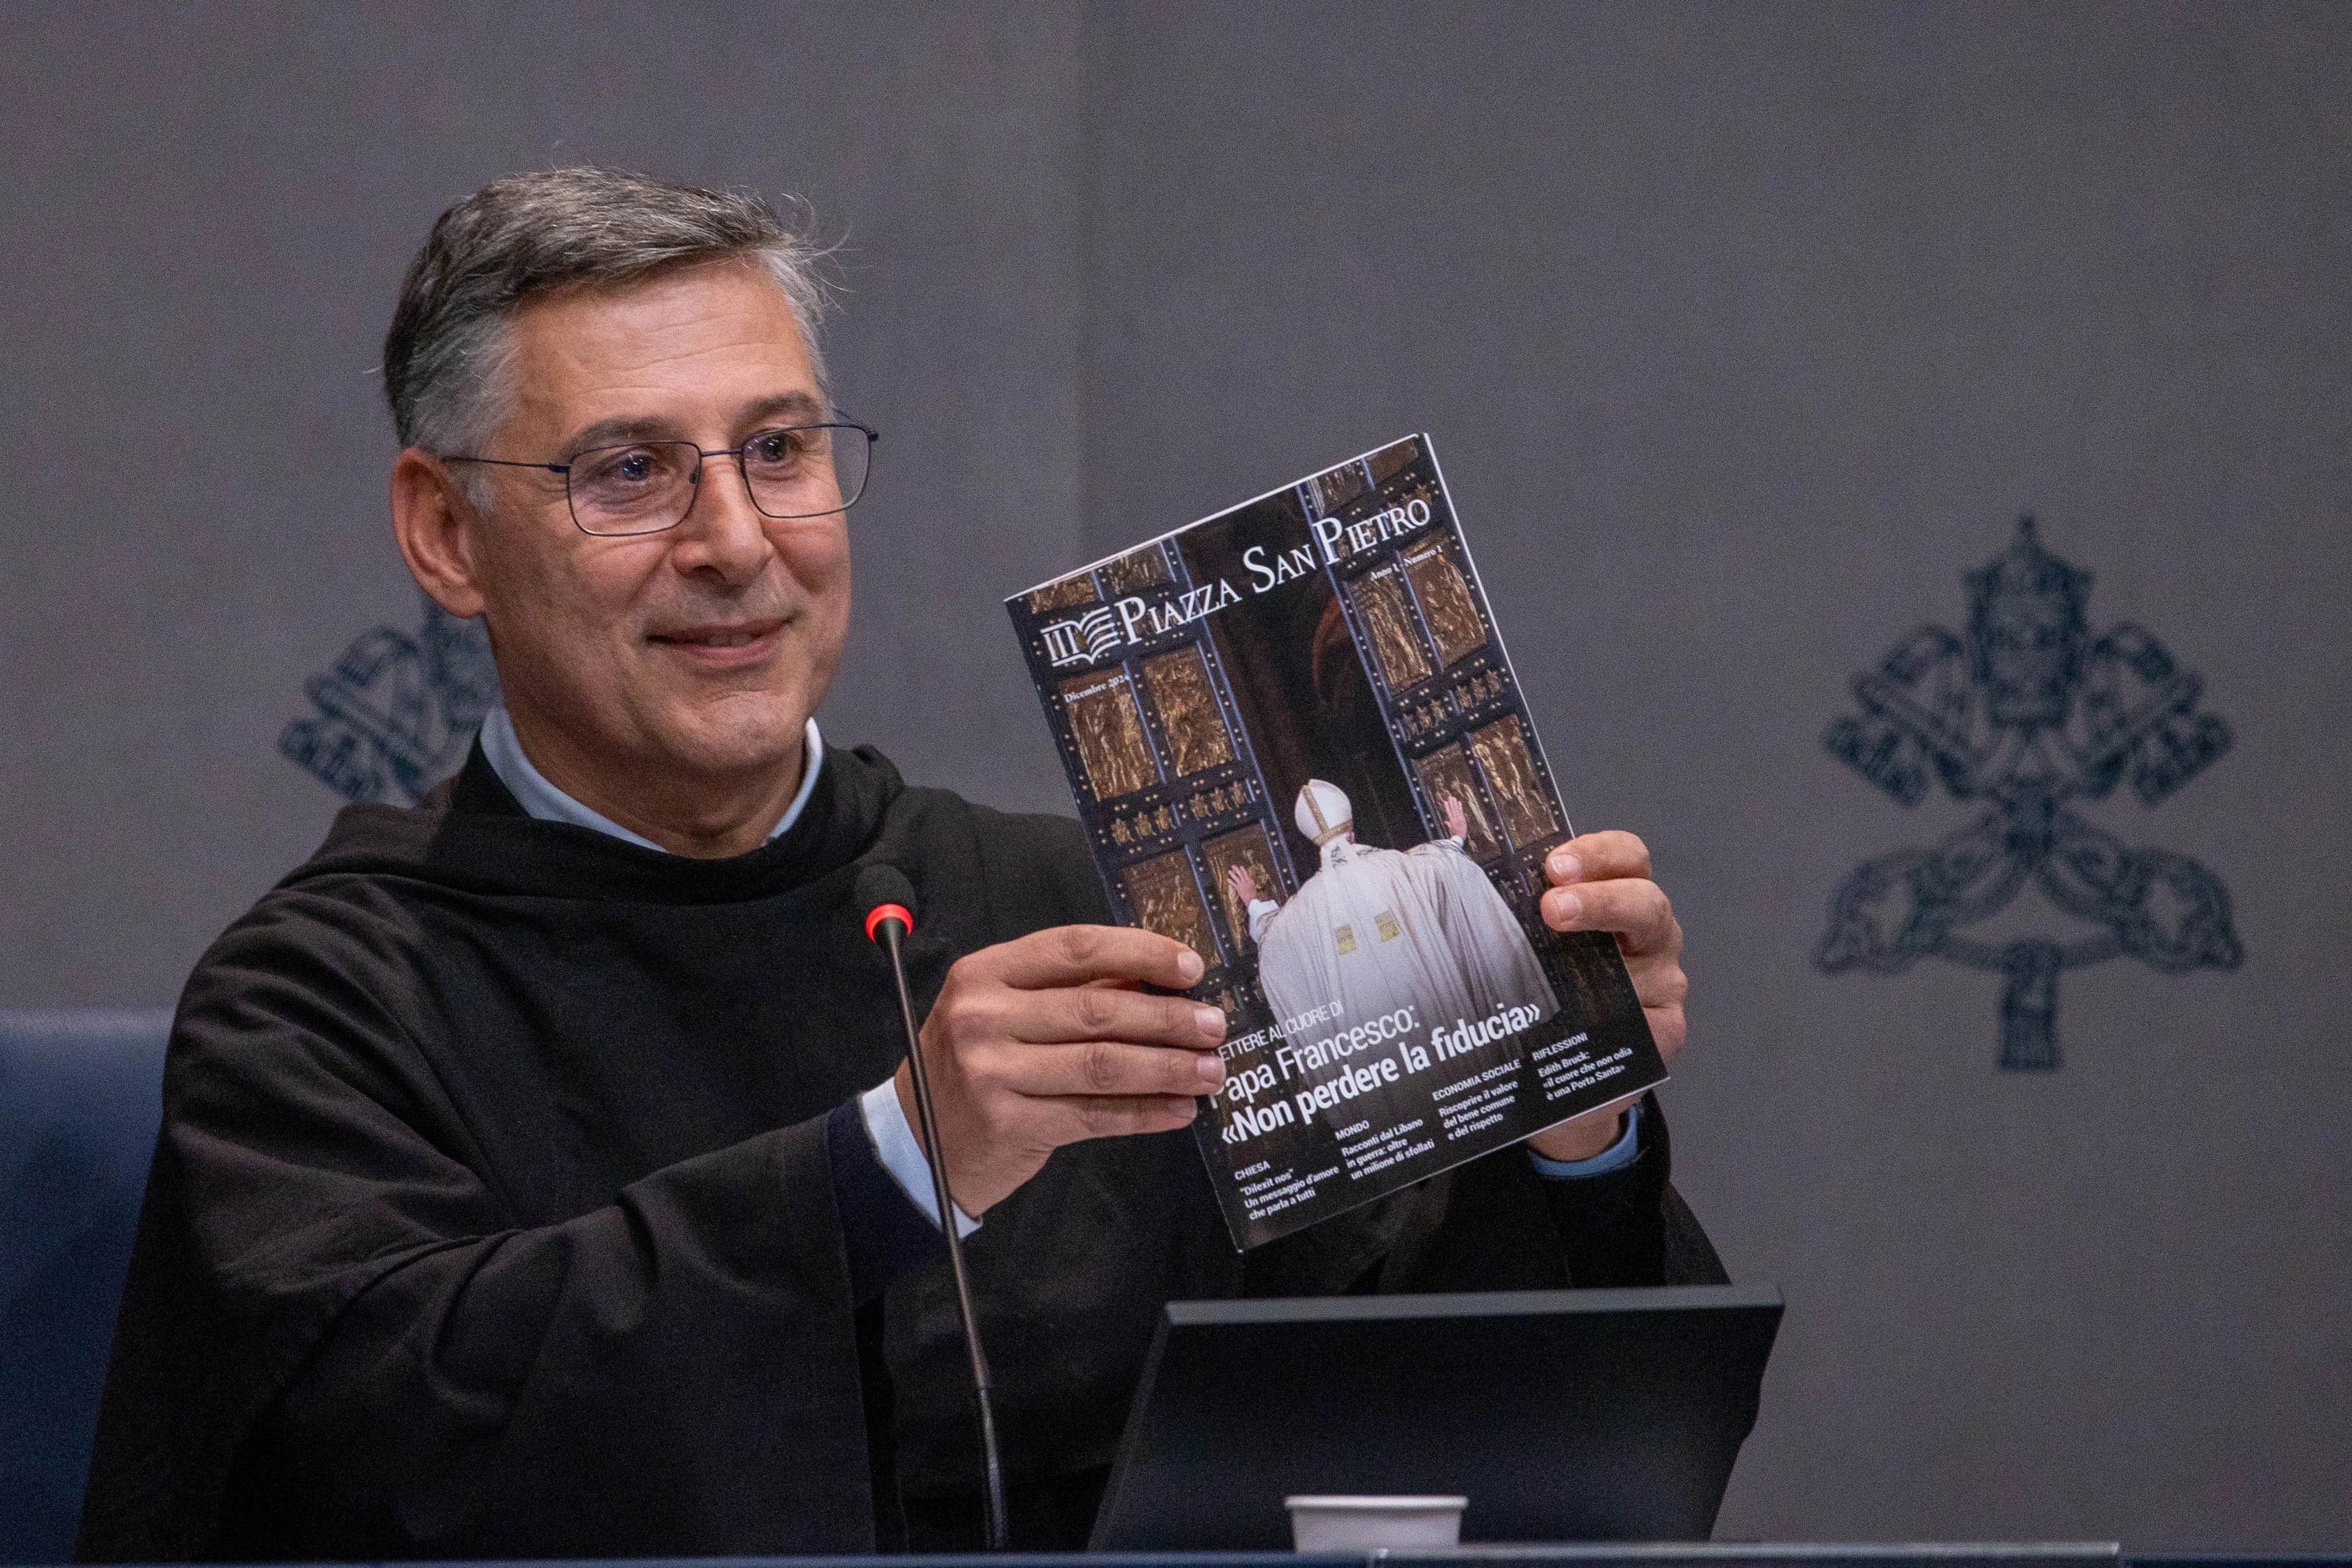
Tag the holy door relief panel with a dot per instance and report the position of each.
(1447, 608)
(1136, 571)
(1391, 461)
(1335, 488)
(1073, 590)
(1380, 601)
(1187, 705)
(1168, 901)
(1249, 849)
(1501, 749)
(1109, 732)
(1445, 775)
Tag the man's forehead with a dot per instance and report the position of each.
(716, 340)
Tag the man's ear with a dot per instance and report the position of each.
(433, 523)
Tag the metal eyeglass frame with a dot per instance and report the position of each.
(738, 453)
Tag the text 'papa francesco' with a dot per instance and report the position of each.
(1244, 1085)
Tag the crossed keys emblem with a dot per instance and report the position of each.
(2028, 713)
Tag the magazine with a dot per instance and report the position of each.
(1298, 747)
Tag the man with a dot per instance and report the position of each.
(1378, 930)
(534, 1173)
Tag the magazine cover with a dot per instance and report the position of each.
(1298, 747)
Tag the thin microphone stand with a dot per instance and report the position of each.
(983, 1385)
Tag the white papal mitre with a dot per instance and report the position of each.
(1323, 811)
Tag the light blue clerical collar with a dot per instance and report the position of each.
(542, 800)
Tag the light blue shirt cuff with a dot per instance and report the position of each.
(901, 1153)
(1619, 1153)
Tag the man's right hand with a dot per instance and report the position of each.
(1049, 1040)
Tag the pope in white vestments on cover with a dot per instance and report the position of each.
(1380, 929)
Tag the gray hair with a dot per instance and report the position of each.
(446, 358)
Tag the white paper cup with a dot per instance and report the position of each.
(1341, 1524)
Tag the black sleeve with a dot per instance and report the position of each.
(1494, 1224)
(1503, 1226)
(885, 1235)
(336, 1343)
(1629, 1226)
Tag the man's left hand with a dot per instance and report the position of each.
(1601, 882)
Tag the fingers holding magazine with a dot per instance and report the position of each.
(1049, 1040)
(1602, 882)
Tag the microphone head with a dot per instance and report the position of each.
(883, 891)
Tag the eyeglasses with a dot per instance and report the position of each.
(645, 486)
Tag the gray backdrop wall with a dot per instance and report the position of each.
(1744, 332)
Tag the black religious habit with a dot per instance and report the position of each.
(499, 1209)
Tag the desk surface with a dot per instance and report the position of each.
(1713, 1554)
(1938, 1554)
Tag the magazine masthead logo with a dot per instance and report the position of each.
(1103, 631)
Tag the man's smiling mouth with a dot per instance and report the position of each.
(723, 638)
(742, 633)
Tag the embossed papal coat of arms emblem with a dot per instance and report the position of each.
(2026, 717)
(397, 712)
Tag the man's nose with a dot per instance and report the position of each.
(722, 532)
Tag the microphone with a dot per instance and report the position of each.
(889, 900)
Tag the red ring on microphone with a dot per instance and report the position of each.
(881, 913)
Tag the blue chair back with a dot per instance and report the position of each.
(79, 1100)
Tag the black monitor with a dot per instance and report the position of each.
(1561, 1415)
